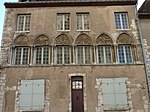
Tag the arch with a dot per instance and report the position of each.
(42, 40)
(83, 39)
(63, 39)
(125, 39)
(21, 40)
(104, 39)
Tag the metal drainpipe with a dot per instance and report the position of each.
(143, 51)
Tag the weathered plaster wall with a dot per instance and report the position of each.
(58, 84)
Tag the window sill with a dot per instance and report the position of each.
(22, 31)
(123, 29)
(83, 30)
(63, 30)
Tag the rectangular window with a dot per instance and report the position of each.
(121, 20)
(23, 22)
(104, 54)
(114, 93)
(63, 55)
(83, 55)
(31, 95)
(63, 22)
(83, 23)
(42, 55)
(21, 56)
(124, 54)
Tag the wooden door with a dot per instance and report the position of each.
(77, 94)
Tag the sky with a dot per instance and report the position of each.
(2, 13)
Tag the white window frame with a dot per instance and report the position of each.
(24, 22)
(104, 54)
(83, 22)
(63, 57)
(76, 53)
(63, 25)
(42, 55)
(124, 50)
(121, 22)
(21, 61)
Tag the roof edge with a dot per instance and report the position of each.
(67, 4)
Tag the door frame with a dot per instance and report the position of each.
(84, 90)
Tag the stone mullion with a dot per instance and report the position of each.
(115, 53)
(52, 55)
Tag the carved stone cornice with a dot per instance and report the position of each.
(104, 40)
(63, 40)
(83, 40)
(21, 41)
(42, 40)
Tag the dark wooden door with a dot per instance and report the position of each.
(77, 94)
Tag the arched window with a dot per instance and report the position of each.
(21, 50)
(104, 49)
(42, 50)
(83, 49)
(124, 49)
(63, 49)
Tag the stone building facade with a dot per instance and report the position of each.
(72, 56)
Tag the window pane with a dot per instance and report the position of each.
(80, 54)
(38, 55)
(124, 21)
(128, 54)
(86, 22)
(59, 55)
(59, 22)
(79, 22)
(20, 23)
(66, 22)
(66, 55)
(45, 55)
(100, 54)
(18, 56)
(25, 56)
(27, 23)
(117, 20)
(87, 55)
(121, 54)
(108, 54)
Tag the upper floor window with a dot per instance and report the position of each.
(21, 55)
(83, 55)
(121, 20)
(23, 22)
(42, 55)
(63, 55)
(63, 22)
(104, 54)
(83, 22)
(124, 54)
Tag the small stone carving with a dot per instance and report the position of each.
(83, 40)
(42, 40)
(22, 40)
(63, 40)
(125, 39)
(104, 40)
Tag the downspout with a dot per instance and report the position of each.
(143, 50)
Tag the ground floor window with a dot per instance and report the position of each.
(31, 95)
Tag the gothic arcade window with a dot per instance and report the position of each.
(83, 22)
(124, 54)
(42, 55)
(31, 95)
(63, 54)
(21, 55)
(23, 22)
(63, 22)
(121, 20)
(83, 55)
